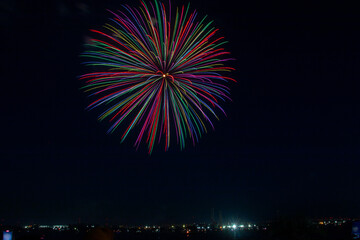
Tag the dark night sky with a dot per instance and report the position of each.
(289, 145)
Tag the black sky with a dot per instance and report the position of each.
(289, 145)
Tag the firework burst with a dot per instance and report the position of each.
(160, 72)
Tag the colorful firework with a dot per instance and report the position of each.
(158, 71)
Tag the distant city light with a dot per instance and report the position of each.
(44, 226)
(7, 235)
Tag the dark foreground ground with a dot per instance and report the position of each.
(289, 233)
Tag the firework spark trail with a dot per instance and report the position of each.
(162, 74)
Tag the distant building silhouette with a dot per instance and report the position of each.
(213, 216)
(220, 218)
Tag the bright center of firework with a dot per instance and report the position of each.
(166, 76)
